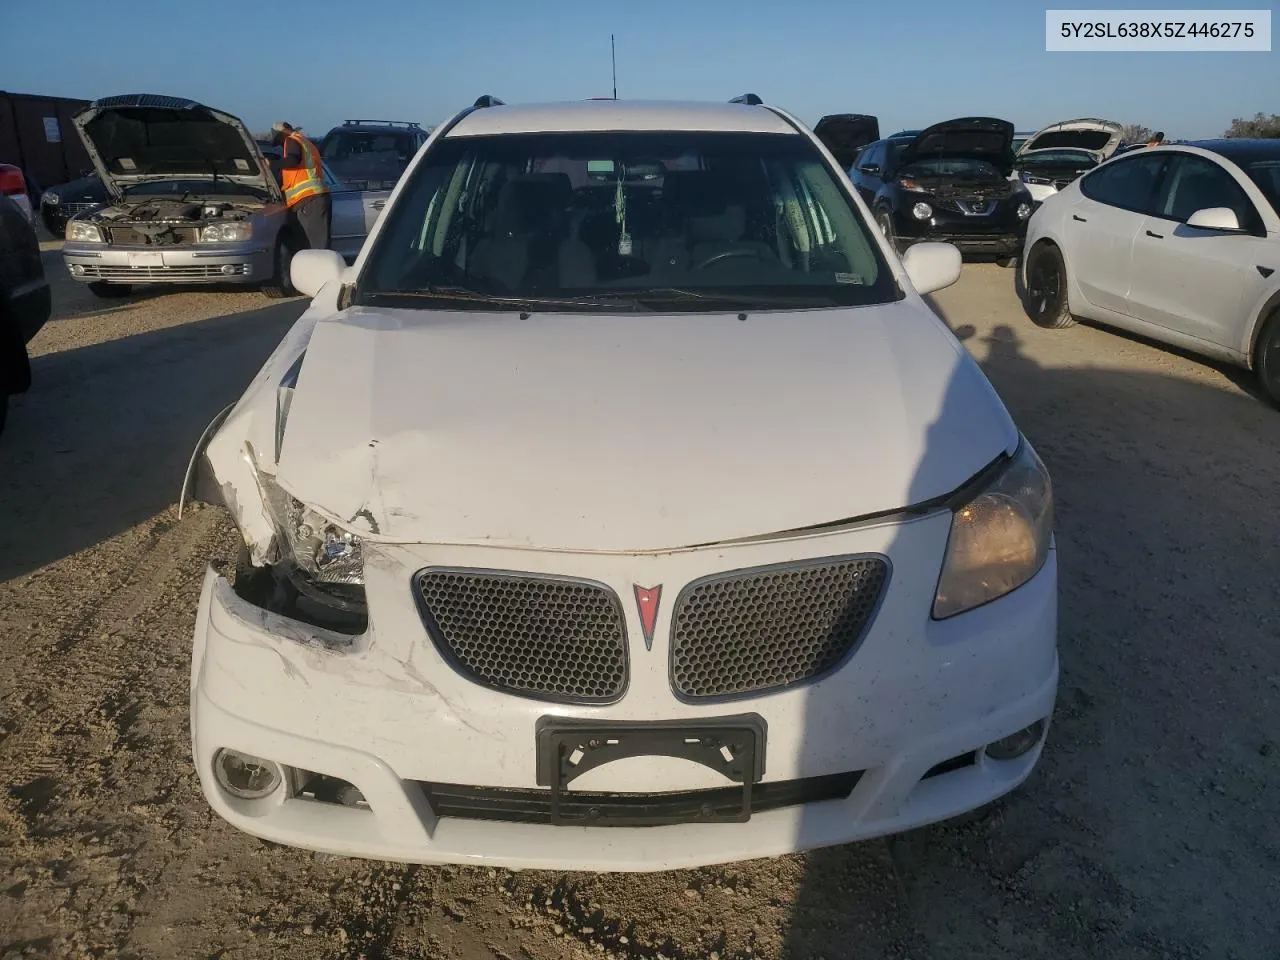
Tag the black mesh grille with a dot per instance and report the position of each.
(770, 627)
(551, 639)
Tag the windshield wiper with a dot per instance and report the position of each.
(738, 298)
(455, 293)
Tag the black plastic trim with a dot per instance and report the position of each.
(524, 805)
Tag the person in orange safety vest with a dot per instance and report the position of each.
(305, 190)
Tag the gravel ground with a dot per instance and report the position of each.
(1148, 830)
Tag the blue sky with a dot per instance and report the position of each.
(910, 64)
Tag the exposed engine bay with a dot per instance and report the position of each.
(163, 222)
(967, 188)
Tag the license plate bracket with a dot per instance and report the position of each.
(148, 259)
(732, 746)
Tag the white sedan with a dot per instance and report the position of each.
(624, 507)
(1180, 243)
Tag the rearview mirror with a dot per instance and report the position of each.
(931, 266)
(310, 270)
(1214, 218)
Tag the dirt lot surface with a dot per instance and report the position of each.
(1149, 830)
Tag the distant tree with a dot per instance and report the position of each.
(1135, 133)
(1261, 127)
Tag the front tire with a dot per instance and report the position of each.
(281, 283)
(1266, 364)
(110, 291)
(1045, 301)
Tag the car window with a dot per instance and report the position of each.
(1195, 183)
(1129, 183)
(874, 154)
(352, 143)
(700, 221)
(1266, 176)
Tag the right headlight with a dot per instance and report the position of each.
(999, 539)
(82, 232)
(231, 231)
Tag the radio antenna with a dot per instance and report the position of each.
(613, 56)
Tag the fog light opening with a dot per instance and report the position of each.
(244, 775)
(1016, 744)
(228, 269)
(922, 211)
(326, 789)
(77, 269)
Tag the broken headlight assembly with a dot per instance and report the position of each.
(999, 538)
(318, 573)
(80, 232)
(233, 231)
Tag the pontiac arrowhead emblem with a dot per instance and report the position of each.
(647, 599)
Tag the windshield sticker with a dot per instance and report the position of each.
(242, 164)
(849, 278)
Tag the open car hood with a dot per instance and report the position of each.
(844, 134)
(141, 137)
(628, 433)
(1099, 137)
(979, 138)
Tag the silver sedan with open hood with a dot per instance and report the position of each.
(192, 200)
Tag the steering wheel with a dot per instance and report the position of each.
(728, 255)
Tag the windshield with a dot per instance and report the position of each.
(193, 188)
(1057, 158)
(689, 222)
(351, 143)
(967, 168)
(1266, 174)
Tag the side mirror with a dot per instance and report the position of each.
(1214, 218)
(310, 270)
(871, 168)
(931, 266)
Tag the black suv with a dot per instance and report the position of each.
(371, 154)
(951, 182)
(24, 299)
(59, 204)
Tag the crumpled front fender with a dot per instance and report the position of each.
(224, 466)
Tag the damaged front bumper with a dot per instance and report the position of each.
(891, 740)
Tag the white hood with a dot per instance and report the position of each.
(631, 433)
(1098, 137)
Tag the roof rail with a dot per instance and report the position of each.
(385, 123)
(748, 98)
(488, 100)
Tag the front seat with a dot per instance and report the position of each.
(701, 221)
(529, 224)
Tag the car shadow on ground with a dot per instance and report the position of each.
(1240, 376)
(1146, 830)
(102, 440)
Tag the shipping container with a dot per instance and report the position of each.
(37, 135)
